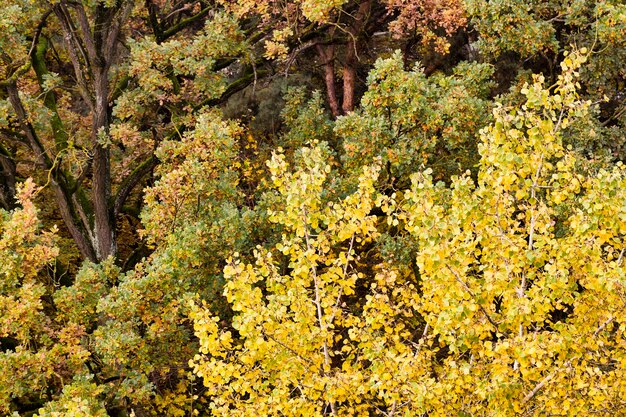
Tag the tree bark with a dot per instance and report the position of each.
(327, 55)
(351, 57)
(57, 182)
(349, 77)
(104, 227)
(7, 183)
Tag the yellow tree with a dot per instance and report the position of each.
(516, 310)
(522, 273)
(304, 340)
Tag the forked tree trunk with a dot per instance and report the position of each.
(349, 64)
(327, 55)
(351, 58)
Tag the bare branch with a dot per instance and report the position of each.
(469, 290)
(603, 326)
(74, 46)
(115, 29)
(88, 39)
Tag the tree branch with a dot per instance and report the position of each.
(183, 24)
(16, 74)
(88, 39)
(39, 65)
(73, 45)
(114, 31)
(469, 290)
(66, 207)
(131, 182)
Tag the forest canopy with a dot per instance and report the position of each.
(313, 207)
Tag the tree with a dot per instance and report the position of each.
(508, 314)
(293, 347)
(534, 38)
(411, 120)
(147, 126)
(68, 88)
(37, 352)
(341, 32)
(515, 279)
(91, 49)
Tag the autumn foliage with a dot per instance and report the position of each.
(312, 208)
(508, 312)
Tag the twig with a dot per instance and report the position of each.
(469, 290)
(621, 256)
(540, 385)
(603, 326)
(318, 305)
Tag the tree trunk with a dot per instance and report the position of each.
(327, 55)
(351, 61)
(63, 198)
(104, 228)
(349, 77)
(92, 50)
(7, 183)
